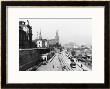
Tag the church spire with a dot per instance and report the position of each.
(40, 35)
(57, 36)
(28, 22)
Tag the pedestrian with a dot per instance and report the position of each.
(81, 65)
(53, 66)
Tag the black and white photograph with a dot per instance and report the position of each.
(64, 42)
(55, 44)
(61, 44)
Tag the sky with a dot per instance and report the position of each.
(78, 31)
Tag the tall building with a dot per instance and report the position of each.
(25, 35)
(57, 37)
(54, 41)
(44, 43)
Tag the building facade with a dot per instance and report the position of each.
(40, 42)
(44, 43)
(25, 35)
(55, 41)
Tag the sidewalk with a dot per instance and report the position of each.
(52, 65)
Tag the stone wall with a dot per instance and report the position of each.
(28, 58)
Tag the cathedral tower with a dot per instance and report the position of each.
(57, 37)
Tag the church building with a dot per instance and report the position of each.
(40, 42)
(44, 43)
(55, 41)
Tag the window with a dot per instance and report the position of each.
(39, 44)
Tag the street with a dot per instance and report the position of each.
(61, 62)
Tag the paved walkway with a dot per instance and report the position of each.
(53, 65)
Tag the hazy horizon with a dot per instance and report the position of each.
(78, 31)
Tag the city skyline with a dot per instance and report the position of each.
(78, 31)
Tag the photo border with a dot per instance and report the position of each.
(4, 5)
